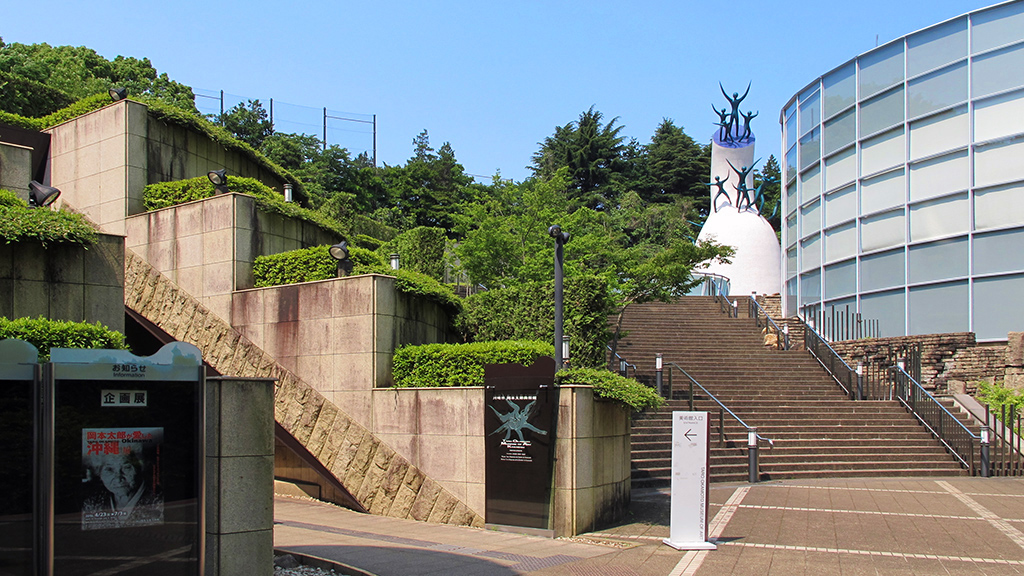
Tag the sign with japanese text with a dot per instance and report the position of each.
(688, 529)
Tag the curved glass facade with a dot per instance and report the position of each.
(903, 182)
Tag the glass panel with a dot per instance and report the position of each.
(810, 215)
(937, 90)
(882, 112)
(939, 218)
(810, 288)
(998, 117)
(883, 151)
(790, 164)
(883, 192)
(840, 206)
(840, 89)
(791, 261)
(889, 308)
(810, 253)
(997, 26)
(841, 279)
(791, 202)
(936, 46)
(940, 260)
(939, 133)
(791, 304)
(810, 148)
(841, 242)
(998, 307)
(882, 231)
(841, 169)
(791, 229)
(810, 184)
(998, 207)
(840, 131)
(791, 132)
(881, 69)
(999, 252)
(810, 113)
(939, 176)
(998, 71)
(883, 270)
(998, 163)
(938, 309)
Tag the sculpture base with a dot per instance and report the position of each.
(756, 265)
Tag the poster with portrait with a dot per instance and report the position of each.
(121, 477)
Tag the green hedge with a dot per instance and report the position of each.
(611, 386)
(45, 334)
(527, 312)
(83, 106)
(19, 223)
(439, 365)
(28, 98)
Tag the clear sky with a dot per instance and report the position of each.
(491, 78)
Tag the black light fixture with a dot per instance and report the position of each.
(396, 262)
(219, 179)
(118, 94)
(41, 195)
(340, 253)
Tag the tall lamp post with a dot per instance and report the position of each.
(560, 239)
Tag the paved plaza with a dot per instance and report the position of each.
(821, 527)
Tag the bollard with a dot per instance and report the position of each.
(622, 368)
(860, 380)
(735, 308)
(657, 371)
(985, 464)
(752, 453)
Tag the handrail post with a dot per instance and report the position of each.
(735, 308)
(752, 453)
(721, 426)
(657, 371)
(670, 383)
(691, 395)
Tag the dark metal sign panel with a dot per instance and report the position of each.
(127, 462)
(18, 368)
(521, 404)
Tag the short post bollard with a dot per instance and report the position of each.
(752, 453)
(985, 463)
(622, 368)
(735, 308)
(860, 380)
(657, 371)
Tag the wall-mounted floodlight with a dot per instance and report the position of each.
(395, 262)
(40, 195)
(340, 253)
(118, 94)
(219, 179)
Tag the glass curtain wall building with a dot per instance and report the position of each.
(904, 182)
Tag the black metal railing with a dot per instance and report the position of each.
(768, 327)
(838, 324)
(621, 365)
(950, 431)
(728, 307)
(1006, 446)
(831, 361)
(751, 431)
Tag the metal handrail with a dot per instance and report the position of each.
(718, 284)
(725, 408)
(949, 430)
(623, 363)
(829, 359)
(754, 309)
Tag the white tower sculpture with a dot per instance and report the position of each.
(735, 219)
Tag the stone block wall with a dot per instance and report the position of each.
(15, 168)
(64, 281)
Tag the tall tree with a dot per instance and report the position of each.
(249, 122)
(678, 167)
(772, 191)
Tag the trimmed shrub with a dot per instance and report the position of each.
(527, 312)
(44, 334)
(19, 223)
(611, 386)
(441, 365)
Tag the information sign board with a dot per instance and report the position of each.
(688, 529)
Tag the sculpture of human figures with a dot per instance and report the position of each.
(746, 123)
(725, 123)
(721, 190)
(742, 189)
(734, 116)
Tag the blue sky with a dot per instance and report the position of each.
(491, 78)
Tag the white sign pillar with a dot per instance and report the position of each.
(690, 466)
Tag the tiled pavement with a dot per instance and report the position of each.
(824, 527)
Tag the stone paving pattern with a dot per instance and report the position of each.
(812, 527)
(381, 480)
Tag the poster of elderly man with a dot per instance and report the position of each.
(121, 478)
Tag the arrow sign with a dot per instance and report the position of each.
(689, 436)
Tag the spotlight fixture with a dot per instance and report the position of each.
(340, 253)
(395, 261)
(118, 94)
(219, 179)
(559, 236)
(41, 195)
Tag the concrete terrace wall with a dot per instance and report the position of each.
(102, 160)
(208, 246)
(339, 335)
(15, 168)
(64, 281)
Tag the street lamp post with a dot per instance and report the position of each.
(560, 239)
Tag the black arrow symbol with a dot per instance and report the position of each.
(688, 434)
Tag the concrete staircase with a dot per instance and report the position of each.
(817, 431)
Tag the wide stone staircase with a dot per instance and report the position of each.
(816, 430)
